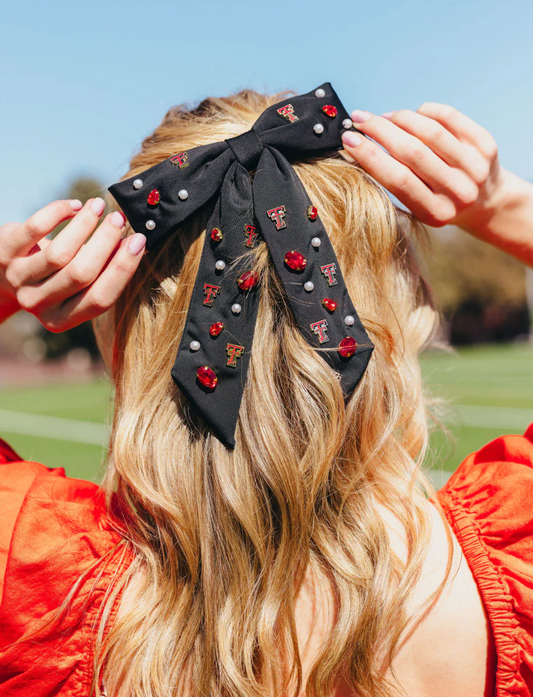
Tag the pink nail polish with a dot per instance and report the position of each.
(359, 116)
(387, 114)
(137, 243)
(97, 206)
(352, 140)
(118, 219)
(76, 204)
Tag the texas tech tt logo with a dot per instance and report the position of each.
(234, 351)
(329, 271)
(210, 293)
(320, 328)
(277, 215)
(181, 160)
(287, 112)
(251, 233)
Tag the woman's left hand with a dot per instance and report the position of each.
(439, 163)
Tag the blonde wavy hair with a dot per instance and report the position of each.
(226, 539)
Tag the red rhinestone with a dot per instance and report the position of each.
(347, 347)
(207, 377)
(312, 213)
(330, 110)
(247, 280)
(329, 304)
(153, 197)
(216, 234)
(216, 328)
(295, 260)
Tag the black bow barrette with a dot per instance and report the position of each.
(214, 353)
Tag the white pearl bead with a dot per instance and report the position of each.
(309, 286)
(194, 346)
(320, 93)
(347, 123)
(349, 320)
(183, 194)
(150, 224)
(316, 242)
(220, 265)
(137, 183)
(318, 128)
(236, 308)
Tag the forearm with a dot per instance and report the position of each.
(508, 219)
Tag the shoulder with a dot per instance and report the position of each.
(488, 503)
(52, 529)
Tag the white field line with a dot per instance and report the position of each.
(469, 416)
(53, 427)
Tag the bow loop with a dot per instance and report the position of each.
(247, 148)
(216, 345)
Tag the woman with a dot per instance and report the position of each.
(309, 558)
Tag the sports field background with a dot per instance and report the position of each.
(489, 392)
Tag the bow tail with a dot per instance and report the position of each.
(309, 270)
(213, 357)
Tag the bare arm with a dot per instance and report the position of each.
(445, 168)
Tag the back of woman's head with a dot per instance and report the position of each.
(226, 538)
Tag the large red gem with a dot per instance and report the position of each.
(216, 234)
(330, 110)
(207, 377)
(247, 280)
(312, 213)
(153, 197)
(329, 304)
(216, 328)
(347, 347)
(295, 260)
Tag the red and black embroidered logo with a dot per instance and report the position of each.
(234, 351)
(251, 233)
(181, 160)
(210, 293)
(320, 328)
(277, 215)
(287, 112)
(329, 271)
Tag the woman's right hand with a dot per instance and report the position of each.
(66, 281)
(445, 168)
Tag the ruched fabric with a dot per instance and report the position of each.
(52, 528)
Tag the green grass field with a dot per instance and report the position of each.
(489, 391)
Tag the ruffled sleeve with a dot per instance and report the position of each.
(52, 529)
(489, 504)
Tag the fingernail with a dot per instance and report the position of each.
(387, 114)
(360, 116)
(137, 243)
(76, 204)
(97, 206)
(352, 140)
(118, 219)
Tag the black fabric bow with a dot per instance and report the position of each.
(214, 353)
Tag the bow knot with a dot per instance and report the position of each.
(214, 353)
(247, 148)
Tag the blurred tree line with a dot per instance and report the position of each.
(480, 290)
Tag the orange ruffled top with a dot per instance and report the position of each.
(53, 527)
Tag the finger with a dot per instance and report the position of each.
(416, 155)
(430, 208)
(101, 295)
(63, 248)
(40, 224)
(84, 268)
(462, 127)
(434, 135)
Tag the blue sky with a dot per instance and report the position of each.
(83, 83)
